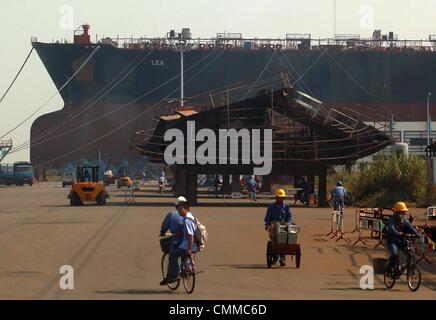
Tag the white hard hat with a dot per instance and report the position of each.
(179, 200)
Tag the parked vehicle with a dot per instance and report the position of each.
(109, 177)
(67, 178)
(123, 178)
(19, 173)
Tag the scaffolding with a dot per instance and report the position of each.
(307, 136)
(304, 129)
(5, 147)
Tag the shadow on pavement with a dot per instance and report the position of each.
(429, 284)
(254, 266)
(57, 222)
(210, 204)
(356, 289)
(137, 291)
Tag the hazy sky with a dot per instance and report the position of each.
(49, 19)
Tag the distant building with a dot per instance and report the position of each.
(413, 133)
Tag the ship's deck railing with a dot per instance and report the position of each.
(347, 37)
(291, 42)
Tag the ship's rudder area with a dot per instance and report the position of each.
(75, 133)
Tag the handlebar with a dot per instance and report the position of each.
(408, 235)
(165, 235)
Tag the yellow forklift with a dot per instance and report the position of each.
(123, 178)
(87, 187)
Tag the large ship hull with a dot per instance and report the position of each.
(376, 83)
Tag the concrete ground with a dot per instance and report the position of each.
(115, 252)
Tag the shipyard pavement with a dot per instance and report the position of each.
(115, 253)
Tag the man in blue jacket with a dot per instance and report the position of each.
(279, 211)
(187, 246)
(397, 227)
(338, 196)
(174, 223)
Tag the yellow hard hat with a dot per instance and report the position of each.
(400, 207)
(280, 193)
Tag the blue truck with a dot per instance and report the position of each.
(18, 173)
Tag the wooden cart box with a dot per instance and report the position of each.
(286, 249)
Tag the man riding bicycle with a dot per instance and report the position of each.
(162, 181)
(338, 197)
(174, 223)
(187, 246)
(397, 227)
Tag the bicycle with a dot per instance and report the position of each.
(347, 202)
(186, 265)
(412, 271)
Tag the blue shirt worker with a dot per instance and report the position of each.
(306, 191)
(174, 223)
(187, 245)
(251, 186)
(397, 227)
(338, 197)
(279, 211)
(162, 182)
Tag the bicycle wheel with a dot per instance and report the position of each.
(389, 278)
(414, 278)
(269, 255)
(298, 258)
(329, 200)
(164, 267)
(188, 274)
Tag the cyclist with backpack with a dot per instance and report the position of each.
(188, 245)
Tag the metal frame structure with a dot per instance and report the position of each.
(5, 147)
(307, 136)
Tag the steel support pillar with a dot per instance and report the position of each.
(322, 188)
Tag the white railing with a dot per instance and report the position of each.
(291, 42)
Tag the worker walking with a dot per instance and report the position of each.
(279, 211)
(252, 186)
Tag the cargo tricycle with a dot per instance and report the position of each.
(284, 241)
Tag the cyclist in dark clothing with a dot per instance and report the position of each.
(397, 227)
